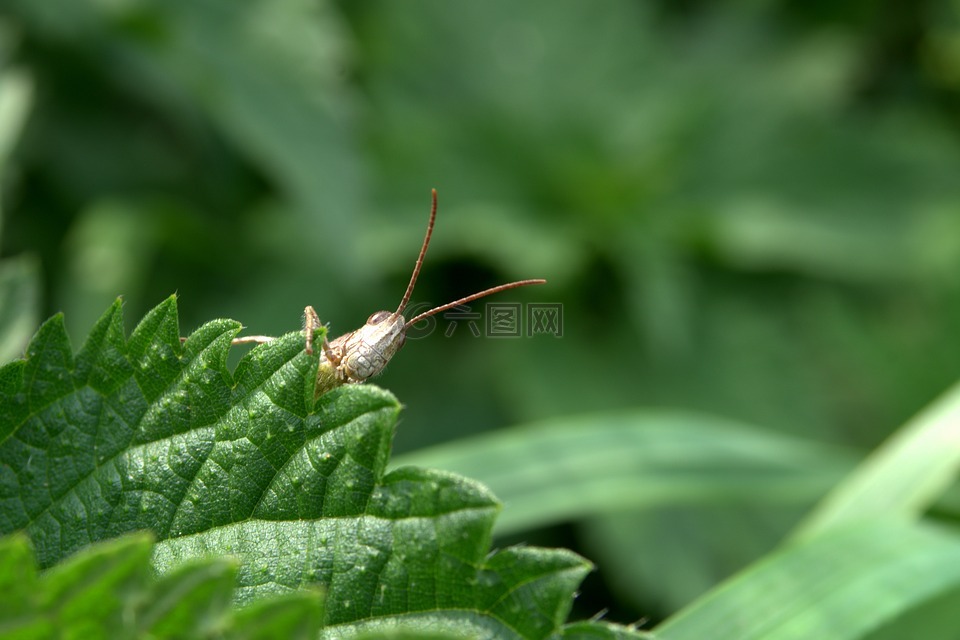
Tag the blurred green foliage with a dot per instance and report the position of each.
(746, 208)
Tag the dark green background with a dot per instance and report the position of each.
(746, 208)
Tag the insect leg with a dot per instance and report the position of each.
(311, 321)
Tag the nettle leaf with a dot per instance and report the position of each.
(109, 590)
(151, 434)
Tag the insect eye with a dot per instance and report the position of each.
(378, 317)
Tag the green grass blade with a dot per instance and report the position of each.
(572, 468)
(838, 586)
(902, 478)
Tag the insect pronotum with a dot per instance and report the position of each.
(361, 354)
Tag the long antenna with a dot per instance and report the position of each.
(423, 252)
(470, 298)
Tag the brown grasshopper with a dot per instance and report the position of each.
(361, 354)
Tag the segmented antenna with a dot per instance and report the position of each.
(416, 273)
(470, 298)
(423, 252)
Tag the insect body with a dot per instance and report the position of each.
(361, 354)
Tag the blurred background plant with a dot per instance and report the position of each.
(747, 209)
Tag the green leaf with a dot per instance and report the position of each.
(570, 468)
(151, 433)
(843, 584)
(295, 615)
(415, 634)
(18, 583)
(902, 478)
(90, 594)
(109, 590)
(601, 631)
(196, 596)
